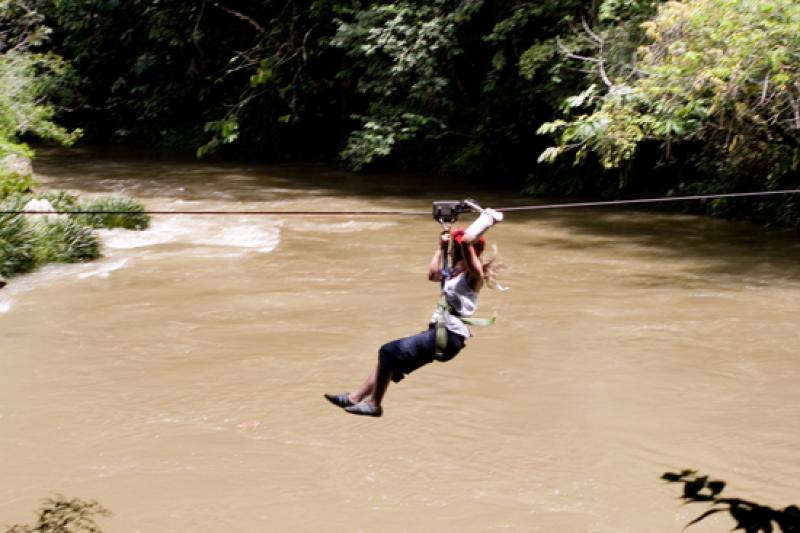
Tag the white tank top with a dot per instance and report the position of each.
(462, 300)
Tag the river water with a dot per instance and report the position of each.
(179, 379)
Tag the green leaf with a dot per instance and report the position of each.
(549, 155)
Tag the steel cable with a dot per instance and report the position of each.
(569, 205)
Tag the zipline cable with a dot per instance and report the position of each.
(414, 213)
(649, 200)
(233, 213)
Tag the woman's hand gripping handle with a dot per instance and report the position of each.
(436, 265)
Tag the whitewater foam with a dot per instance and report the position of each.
(104, 270)
(253, 233)
(209, 237)
(5, 304)
(341, 227)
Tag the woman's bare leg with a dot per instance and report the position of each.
(366, 388)
(382, 378)
(373, 388)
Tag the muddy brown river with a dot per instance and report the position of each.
(179, 379)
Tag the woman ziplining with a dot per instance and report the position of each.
(448, 329)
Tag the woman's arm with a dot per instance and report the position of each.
(473, 265)
(434, 269)
(435, 266)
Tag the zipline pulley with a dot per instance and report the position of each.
(446, 212)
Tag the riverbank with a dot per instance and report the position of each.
(38, 227)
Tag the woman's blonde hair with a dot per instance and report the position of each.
(491, 268)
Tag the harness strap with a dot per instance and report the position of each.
(475, 321)
(441, 329)
(443, 307)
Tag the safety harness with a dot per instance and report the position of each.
(443, 306)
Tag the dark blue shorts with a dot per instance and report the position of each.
(405, 355)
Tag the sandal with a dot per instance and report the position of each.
(340, 400)
(364, 408)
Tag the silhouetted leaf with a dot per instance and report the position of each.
(792, 511)
(789, 519)
(716, 486)
(750, 517)
(691, 488)
(704, 516)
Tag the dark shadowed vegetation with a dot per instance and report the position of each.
(62, 515)
(594, 98)
(748, 516)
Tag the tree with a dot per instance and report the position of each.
(404, 52)
(723, 72)
(228, 74)
(453, 86)
(26, 80)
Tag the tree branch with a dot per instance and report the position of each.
(241, 16)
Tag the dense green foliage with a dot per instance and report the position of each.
(63, 240)
(200, 74)
(12, 183)
(404, 53)
(716, 82)
(650, 96)
(432, 86)
(16, 245)
(724, 71)
(33, 81)
(27, 79)
(113, 212)
(29, 241)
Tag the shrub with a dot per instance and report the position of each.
(16, 248)
(61, 200)
(26, 242)
(113, 212)
(11, 184)
(64, 240)
(62, 515)
(16, 174)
